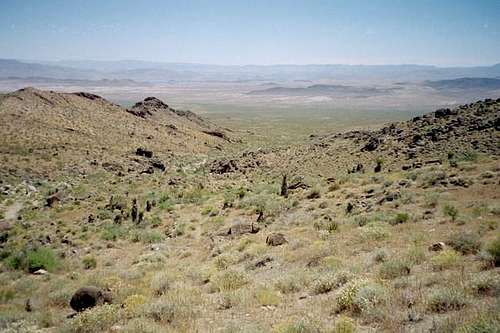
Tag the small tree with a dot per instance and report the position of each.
(451, 211)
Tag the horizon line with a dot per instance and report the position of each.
(37, 61)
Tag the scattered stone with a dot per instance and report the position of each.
(141, 151)
(40, 272)
(88, 297)
(53, 199)
(263, 262)
(284, 187)
(439, 246)
(276, 239)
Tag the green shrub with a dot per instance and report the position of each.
(146, 236)
(229, 280)
(494, 250)
(345, 299)
(400, 218)
(465, 243)
(299, 326)
(485, 283)
(112, 232)
(290, 284)
(33, 260)
(395, 268)
(446, 299)
(369, 296)
(327, 282)
(483, 324)
(446, 259)
(344, 324)
(95, 320)
(89, 262)
(267, 297)
(451, 211)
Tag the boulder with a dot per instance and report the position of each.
(243, 228)
(276, 239)
(88, 297)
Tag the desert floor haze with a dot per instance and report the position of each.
(249, 166)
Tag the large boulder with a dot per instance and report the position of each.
(241, 228)
(88, 297)
(276, 239)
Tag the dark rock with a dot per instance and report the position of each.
(156, 163)
(263, 262)
(53, 199)
(88, 297)
(372, 145)
(439, 246)
(276, 239)
(144, 152)
(284, 187)
(224, 166)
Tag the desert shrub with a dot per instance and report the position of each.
(483, 324)
(485, 283)
(345, 299)
(146, 236)
(446, 299)
(368, 297)
(266, 296)
(415, 255)
(229, 280)
(134, 303)
(431, 199)
(33, 260)
(327, 282)
(112, 232)
(375, 231)
(160, 284)
(344, 324)
(465, 243)
(297, 326)
(7, 294)
(493, 249)
(95, 320)
(446, 259)
(451, 211)
(394, 268)
(177, 308)
(89, 262)
(323, 284)
(380, 256)
(433, 178)
(361, 220)
(60, 297)
(291, 283)
(400, 218)
(143, 325)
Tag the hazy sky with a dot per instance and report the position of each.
(441, 32)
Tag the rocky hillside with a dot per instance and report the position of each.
(387, 230)
(71, 132)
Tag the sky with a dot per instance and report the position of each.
(262, 32)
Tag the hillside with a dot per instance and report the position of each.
(466, 83)
(393, 229)
(74, 132)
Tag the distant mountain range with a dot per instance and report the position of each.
(324, 90)
(466, 83)
(157, 72)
